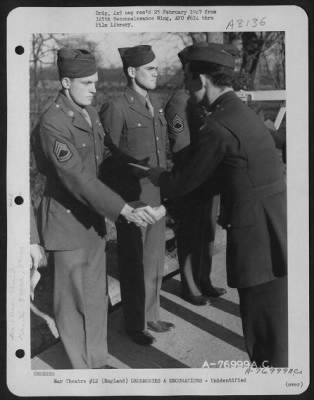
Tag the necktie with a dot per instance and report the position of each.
(86, 116)
(149, 106)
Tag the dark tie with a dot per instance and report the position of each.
(149, 106)
(86, 116)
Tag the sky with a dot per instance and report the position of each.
(165, 45)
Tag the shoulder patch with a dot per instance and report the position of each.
(62, 151)
(177, 124)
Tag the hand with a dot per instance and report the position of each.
(147, 214)
(38, 257)
(151, 214)
(270, 125)
(131, 215)
(157, 212)
(154, 174)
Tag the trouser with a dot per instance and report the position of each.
(264, 313)
(81, 303)
(195, 241)
(141, 256)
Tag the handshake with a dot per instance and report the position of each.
(142, 215)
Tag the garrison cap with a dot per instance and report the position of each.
(75, 63)
(214, 53)
(136, 56)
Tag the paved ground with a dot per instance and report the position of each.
(203, 334)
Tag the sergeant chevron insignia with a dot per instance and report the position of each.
(177, 124)
(62, 151)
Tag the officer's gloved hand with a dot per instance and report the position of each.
(139, 172)
(154, 174)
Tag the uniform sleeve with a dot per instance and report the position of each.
(81, 183)
(33, 227)
(112, 119)
(177, 121)
(201, 164)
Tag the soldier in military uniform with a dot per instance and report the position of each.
(236, 146)
(196, 217)
(137, 126)
(73, 208)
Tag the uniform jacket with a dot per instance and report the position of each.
(184, 118)
(235, 146)
(75, 201)
(176, 114)
(136, 133)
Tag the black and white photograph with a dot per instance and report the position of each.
(159, 201)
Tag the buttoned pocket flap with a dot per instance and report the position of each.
(83, 141)
(136, 124)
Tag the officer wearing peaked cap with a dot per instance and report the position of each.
(196, 217)
(73, 208)
(236, 147)
(136, 124)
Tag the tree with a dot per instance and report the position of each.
(262, 60)
(43, 48)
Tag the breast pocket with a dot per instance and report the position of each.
(84, 145)
(139, 137)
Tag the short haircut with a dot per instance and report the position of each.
(125, 70)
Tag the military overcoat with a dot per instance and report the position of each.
(235, 146)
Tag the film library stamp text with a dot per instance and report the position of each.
(125, 18)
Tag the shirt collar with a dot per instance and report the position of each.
(134, 95)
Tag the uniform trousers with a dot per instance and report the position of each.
(141, 256)
(264, 312)
(195, 241)
(81, 303)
